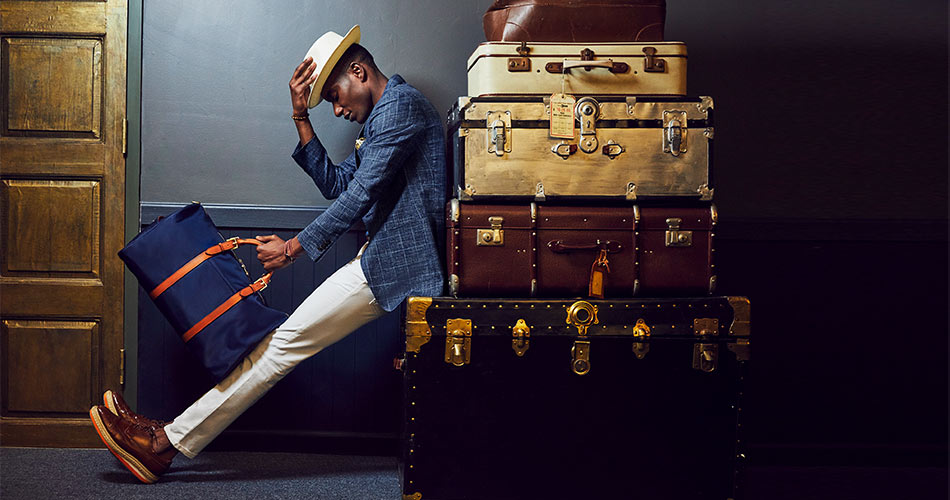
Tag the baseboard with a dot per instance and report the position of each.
(48, 433)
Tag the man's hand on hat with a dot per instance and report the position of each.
(304, 76)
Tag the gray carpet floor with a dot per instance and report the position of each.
(41, 473)
(50, 473)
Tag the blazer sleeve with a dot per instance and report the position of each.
(392, 136)
(330, 179)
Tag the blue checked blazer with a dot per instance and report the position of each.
(395, 182)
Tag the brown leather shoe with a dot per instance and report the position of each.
(118, 407)
(132, 443)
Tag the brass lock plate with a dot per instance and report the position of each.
(705, 357)
(581, 315)
(520, 333)
(498, 132)
(580, 364)
(674, 132)
(706, 326)
(494, 237)
(675, 237)
(458, 341)
(586, 112)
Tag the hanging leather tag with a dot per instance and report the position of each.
(600, 267)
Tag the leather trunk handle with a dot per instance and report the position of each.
(558, 246)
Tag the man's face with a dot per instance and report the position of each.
(349, 95)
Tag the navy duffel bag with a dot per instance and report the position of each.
(201, 288)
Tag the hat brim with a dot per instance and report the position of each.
(351, 37)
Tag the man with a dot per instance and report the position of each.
(393, 181)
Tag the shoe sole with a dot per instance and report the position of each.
(110, 402)
(127, 459)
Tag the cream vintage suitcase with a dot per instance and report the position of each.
(623, 148)
(629, 68)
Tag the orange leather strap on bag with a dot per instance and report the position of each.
(253, 288)
(224, 246)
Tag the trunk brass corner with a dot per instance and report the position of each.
(458, 341)
(414, 496)
(741, 349)
(740, 319)
(417, 327)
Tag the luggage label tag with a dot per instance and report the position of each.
(562, 116)
(597, 271)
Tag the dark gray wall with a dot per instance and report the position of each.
(216, 105)
(824, 109)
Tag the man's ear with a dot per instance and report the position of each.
(358, 70)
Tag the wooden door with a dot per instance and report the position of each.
(62, 188)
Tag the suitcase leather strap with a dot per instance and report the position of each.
(224, 246)
(247, 291)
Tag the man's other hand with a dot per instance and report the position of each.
(300, 86)
(271, 252)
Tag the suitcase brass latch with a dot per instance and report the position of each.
(458, 341)
(494, 237)
(676, 237)
(674, 132)
(519, 337)
(651, 63)
(612, 149)
(520, 64)
(705, 357)
(499, 132)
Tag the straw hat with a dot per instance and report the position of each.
(326, 51)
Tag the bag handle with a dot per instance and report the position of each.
(224, 246)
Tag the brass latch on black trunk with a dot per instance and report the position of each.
(641, 331)
(519, 337)
(581, 315)
(705, 357)
(458, 341)
(581, 354)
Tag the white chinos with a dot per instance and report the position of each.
(339, 306)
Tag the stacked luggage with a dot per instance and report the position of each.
(584, 354)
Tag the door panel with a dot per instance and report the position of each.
(62, 192)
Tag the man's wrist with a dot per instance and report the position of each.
(289, 250)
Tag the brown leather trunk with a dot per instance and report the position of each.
(533, 250)
(538, 250)
(575, 21)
